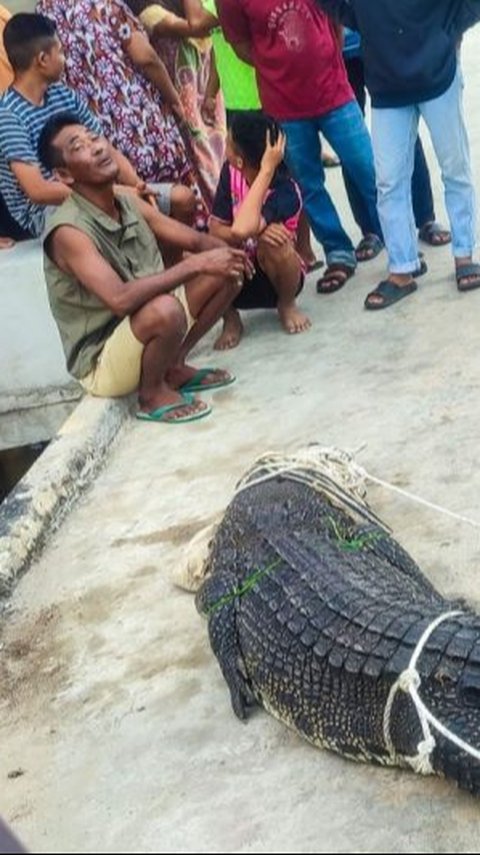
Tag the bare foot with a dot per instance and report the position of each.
(293, 320)
(178, 375)
(6, 243)
(311, 261)
(309, 258)
(232, 332)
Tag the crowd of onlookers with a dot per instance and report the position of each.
(172, 157)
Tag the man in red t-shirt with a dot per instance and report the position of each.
(303, 85)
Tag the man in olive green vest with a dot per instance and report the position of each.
(125, 322)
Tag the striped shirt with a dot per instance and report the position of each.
(21, 124)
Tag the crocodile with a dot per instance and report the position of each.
(317, 613)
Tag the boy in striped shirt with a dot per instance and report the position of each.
(35, 96)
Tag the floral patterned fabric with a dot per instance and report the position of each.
(188, 63)
(94, 34)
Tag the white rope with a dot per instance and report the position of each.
(409, 682)
(314, 463)
(312, 460)
(431, 505)
(330, 471)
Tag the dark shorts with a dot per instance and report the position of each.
(259, 293)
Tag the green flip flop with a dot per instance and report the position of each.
(159, 415)
(195, 383)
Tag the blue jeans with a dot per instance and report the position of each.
(345, 130)
(422, 196)
(394, 132)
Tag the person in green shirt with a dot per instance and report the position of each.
(236, 79)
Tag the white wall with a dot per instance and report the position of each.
(31, 355)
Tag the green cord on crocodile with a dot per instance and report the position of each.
(244, 588)
(353, 544)
(348, 544)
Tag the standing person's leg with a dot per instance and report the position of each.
(423, 207)
(453, 153)
(356, 77)
(429, 230)
(371, 243)
(394, 133)
(303, 157)
(422, 196)
(346, 131)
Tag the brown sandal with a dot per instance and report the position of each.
(334, 278)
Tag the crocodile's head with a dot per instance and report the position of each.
(452, 695)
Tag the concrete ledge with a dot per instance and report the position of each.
(36, 399)
(36, 416)
(45, 495)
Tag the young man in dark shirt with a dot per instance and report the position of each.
(410, 51)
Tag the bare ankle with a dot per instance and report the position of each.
(401, 278)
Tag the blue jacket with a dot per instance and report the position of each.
(409, 46)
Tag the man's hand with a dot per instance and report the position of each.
(276, 234)
(226, 262)
(141, 190)
(138, 190)
(274, 152)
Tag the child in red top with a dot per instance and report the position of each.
(258, 206)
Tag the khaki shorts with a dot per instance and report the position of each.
(119, 365)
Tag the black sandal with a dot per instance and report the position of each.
(434, 234)
(467, 271)
(369, 247)
(390, 293)
(334, 278)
